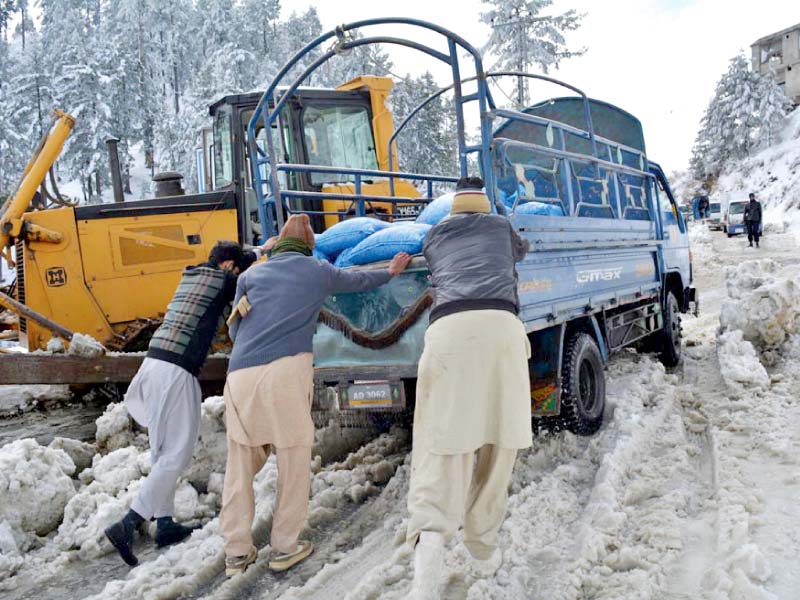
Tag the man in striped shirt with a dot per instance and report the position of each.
(165, 395)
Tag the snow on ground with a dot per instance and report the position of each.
(35, 486)
(16, 398)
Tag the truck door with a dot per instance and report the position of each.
(676, 240)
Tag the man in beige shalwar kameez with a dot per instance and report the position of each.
(472, 409)
(269, 385)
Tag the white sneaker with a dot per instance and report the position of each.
(481, 569)
(428, 566)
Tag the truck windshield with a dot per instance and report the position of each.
(714, 207)
(736, 208)
(338, 136)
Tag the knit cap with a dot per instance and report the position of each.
(470, 197)
(298, 227)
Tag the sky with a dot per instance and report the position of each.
(658, 59)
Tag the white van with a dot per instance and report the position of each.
(733, 222)
(714, 219)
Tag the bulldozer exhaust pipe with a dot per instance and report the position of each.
(116, 173)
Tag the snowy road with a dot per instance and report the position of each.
(690, 489)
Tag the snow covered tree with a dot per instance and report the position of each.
(71, 36)
(428, 143)
(746, 109)
(522, 37)
(9, 139)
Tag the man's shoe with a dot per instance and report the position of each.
(169, 532)
(281, 561)
(428, 565)
(237, 564)
(121, 537)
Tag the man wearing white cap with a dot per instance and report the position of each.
(472, 409)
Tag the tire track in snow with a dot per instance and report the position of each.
(339, 518)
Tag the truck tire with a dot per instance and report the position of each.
(671, 336)
(583, 387)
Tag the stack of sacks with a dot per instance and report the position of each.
(384, 244)
(345, 235)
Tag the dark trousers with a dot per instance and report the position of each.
(752, 231)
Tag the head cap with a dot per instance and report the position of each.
(298, 227)
(470, 197)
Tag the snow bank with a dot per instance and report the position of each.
(211, 450)
(762, 303)
(35, 486)
(14, 398)
(738, 362)
(85, 346)
(10, 558)
(80, 452)
(115, 428)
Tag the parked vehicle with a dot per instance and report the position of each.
(733, 222)
(611, 268)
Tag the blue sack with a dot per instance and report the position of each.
(317, 253)
(437, 210)
(539, 208)
(343, 260)
(384, 244)
(347, 234)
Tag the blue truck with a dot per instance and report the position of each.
(609, 263)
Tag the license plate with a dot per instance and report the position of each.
(371, 394)
(409, 210)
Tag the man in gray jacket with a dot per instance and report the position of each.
(268, 391)
(473, 400)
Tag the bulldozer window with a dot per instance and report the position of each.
(338, 136)
(223, 150)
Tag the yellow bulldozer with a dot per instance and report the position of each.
(109, 270)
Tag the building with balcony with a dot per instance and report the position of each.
(779, 54)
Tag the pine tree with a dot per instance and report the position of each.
(10, 140)
(522, 38)
(71, 36)
(428, 143)
(746, 109)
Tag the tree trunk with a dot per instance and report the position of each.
(24, 17)
(98, 186)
